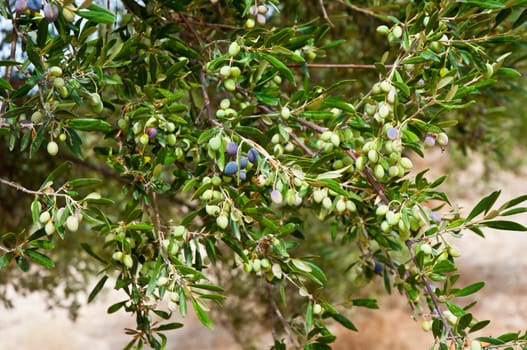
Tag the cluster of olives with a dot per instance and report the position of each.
(230, 73)
(146, 131)
(50, 10)
(48, 219)
(258, 14)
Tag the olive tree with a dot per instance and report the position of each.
(245, 156)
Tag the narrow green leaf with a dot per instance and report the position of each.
(444, 266)
(479, 325)
(90, 124)
(280, 66)
(210, 287)
(504, 225)
(22, 263)
(35, 210)
(513, 202)
(97, 288)
(521, 19)
(97, 14)
(491, 341)
(485, 4)
(168, 326)
(369, 303)
(202, 315)
(115, 307)
(39, 258)
(343, 321)
(484, 205)
(56, 173)
(468, 290)
(5, 259)
(82, 182)
(4, 84)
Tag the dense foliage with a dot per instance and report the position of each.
(251, 154)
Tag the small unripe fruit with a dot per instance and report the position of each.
(44, 217)
(69, 15)
(49, 228)
(178, 231)
(58, 82)
(72, 223)
(235, 72)
(385, 86)
(171, 139)
(225, 103)
(327, 203)
(230, 85)
(222, 221)
(234, 49)
(373, 156)
(161, 281)
(335, 140)
(426, 248)
(381, 210)
(276, 197)
(285, 112)
(215, 143)
(378, 171)
(383, 30)
(359, 163)
(475, 345)
(406, 163)
(442, 139)
(317, 309)
(55, 71)
(397, 32)
(117, 256)
(36, 117)
(143, 139)
(64, 92)
(391, 218)
(250, 23)
(128, 261)
(94, 99)
(232, 148)
(225, 72)
(52, 148)
(340, 207)
(426, 325)
(384, 111)
(231, 168)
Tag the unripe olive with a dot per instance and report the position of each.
(373, 156)
(36, 117)
(383, 30)
(340, 207)
(426, 248)
(317, 309)
(359, 163)
(225, 103)
(475, 345)
(49, 228)
(406, 163)
(212, 210)
(118, 256)
(69, 14)
(381, 210)
(55, 71)
(72, 223)
(235, 72)
(391, 218)
(128, 261)
(285, 112)
(257, 265)
(250, 23)
(442, 139)
(64, 92)
(234, 49)
(384, 111)
(335, 140)
(266, 264)
(378, 171)
(385, 86)
(143, 139)
(44, 217)
(230, 85)
(222, 221)
(427, 325)
(327, 203)
(171, 139)
(52, 148)
(225, 72)
(277, 270)
(94, 99)
(397, 32)
(393, 171)
(178, 231)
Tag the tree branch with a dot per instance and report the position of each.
(283, 321)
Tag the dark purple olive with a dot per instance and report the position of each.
(242, 175)
(51, 12)
(232, 148)
(243, 162)
(20, 5)
(34, 5)
(252, 155)
(151, 132)
(231, 168)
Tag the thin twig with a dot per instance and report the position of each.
(325, 13)
(367, 173)
(28, 191)
(430, 292)
(338, 65)
(283, 321)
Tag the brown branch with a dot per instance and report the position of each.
(325, 13)
(283, 321)
(430, 292)
(21, 188)
(370, 177)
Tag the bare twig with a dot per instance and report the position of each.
(283, 321)
(428, 289)
(21, 188)
(325, 13)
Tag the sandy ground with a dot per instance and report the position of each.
(499, 259)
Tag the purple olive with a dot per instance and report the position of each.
(252, 155)
(151, 132)
(51, 12)
(430, 140)
(232, 148)
(231, 168)
(243, 162)
(392, 133)
(242, 175)
(20, 6)
(34, 5)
